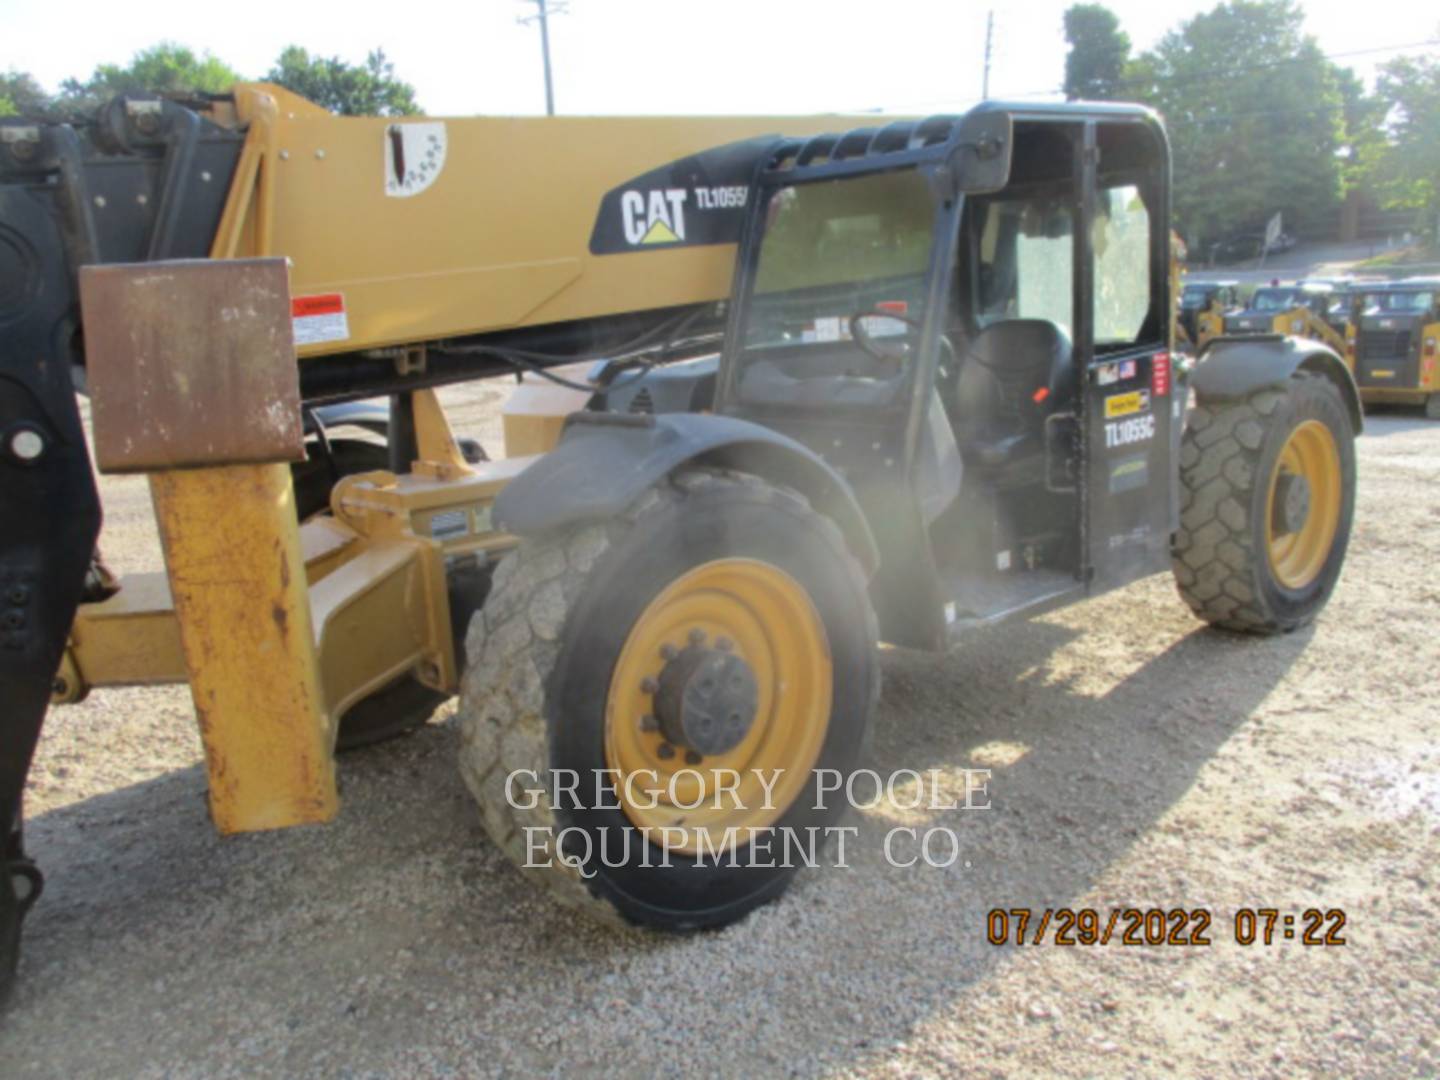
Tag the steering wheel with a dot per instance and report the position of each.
(892, 354)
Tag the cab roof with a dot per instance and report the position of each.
(913, 141)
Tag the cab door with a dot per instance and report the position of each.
(1132, 410)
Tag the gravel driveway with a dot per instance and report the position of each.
(1137, 760)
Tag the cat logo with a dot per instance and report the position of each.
(654, 217)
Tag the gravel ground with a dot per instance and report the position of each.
(1138, 760)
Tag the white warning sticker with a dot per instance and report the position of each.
(319, 318)
(414, 156)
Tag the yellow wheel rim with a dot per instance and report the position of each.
(761, 615)
(1300, 524)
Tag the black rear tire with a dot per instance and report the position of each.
(314, 477)
(1229, 456)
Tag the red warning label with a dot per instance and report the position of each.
(319, 318)
(1160, 374)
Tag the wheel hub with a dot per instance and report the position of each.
(1292, 503)
(706, 700)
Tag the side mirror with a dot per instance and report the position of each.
(981, 161)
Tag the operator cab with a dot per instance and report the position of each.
(968, 319)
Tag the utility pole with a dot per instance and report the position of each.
(544, 9)
(989, 34)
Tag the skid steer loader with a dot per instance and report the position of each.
(1391, 342)
(1298, 310)
(896, 383)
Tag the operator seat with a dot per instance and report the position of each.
(1012, 376)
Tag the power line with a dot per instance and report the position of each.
(1215, 74)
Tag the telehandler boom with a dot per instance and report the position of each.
(893, 382)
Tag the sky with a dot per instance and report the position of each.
(658, 56)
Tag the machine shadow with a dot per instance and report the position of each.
(1081, 770)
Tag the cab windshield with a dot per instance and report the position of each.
(1193, 299)
(1275, 299)
(834, 253)
(1400, 302)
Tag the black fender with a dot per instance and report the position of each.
(605, 461)
(1232, 368)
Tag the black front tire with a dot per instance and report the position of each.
(543, 650)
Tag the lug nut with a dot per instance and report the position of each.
(668, 651)
(649, 723)
(648, 685)
(666, 751)
(27, 444)
(697, 636)
(692, 758)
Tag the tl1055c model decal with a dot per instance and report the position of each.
(691, 202)
(1134, 430)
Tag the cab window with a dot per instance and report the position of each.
(1120, 238)
(838, 258)
(1025, 258)
(836, 248)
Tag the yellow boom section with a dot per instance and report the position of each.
(426, 228)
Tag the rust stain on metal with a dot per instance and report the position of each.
(249, 651)
(191, 363)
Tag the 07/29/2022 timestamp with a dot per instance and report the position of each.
(1161, 926)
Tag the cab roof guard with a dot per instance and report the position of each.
(934, 139)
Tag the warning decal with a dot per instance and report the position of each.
(319, 318)
(1160, 374)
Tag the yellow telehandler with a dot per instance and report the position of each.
(847, 384)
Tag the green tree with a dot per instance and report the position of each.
(1363, 126)
(1405, 170)
(1099, 49)
(166, 68)
(1256, 119)
(369, 89)
(21, 95)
